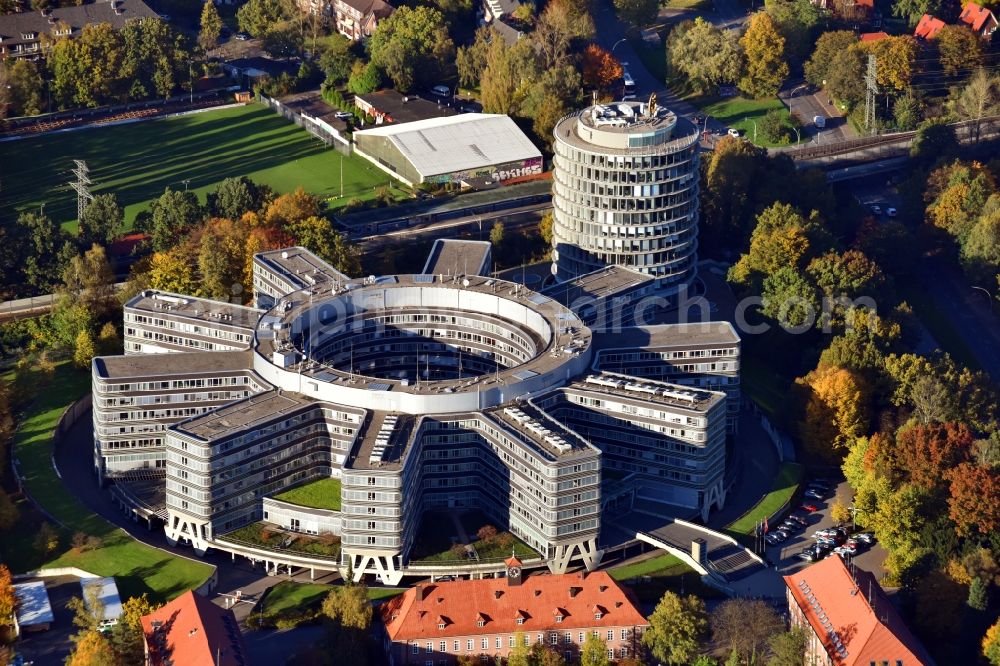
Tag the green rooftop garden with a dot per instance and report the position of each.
(319, 494)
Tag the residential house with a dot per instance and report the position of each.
(979, 19)
(848, 619)
(436, 623)
(928, 27)
(192, 630)
(358, 19)
(391, 106)
(873, 36)
(26, 34)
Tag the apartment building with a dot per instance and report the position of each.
(672, 438)
(625, 193)
(703, 354)
(137, 397)
(159, 321)
(280, 272)
(436, 623)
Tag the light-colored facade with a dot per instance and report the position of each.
(625, 192)
(418, 392)
(159, 321)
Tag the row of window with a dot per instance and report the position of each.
(498, 642)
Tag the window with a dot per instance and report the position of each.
(499, 642)
(429, 647)
(484, 644)
(443, 646)
(554, 638)
(520, 620)
(598, 615)
(625, 637)
(611, 634)
(582, 637)
(468, 644)
(559, 618)
(624, 652)
(416, 649)
(481, 623)
(611, 653)
(567, 637)
(511, 642)
(457, 646)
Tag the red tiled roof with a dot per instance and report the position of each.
(928, 27)
(868, 4)
(127, 243)
(975, 16)
(832, 601)
(538, 599)
(192, 630)
(873, 36)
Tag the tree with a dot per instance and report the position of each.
(980, 97)
(545, 226)
(173, 270)
(562, 23)
(500, 79)
(745, 626)
(46, 540)
(981, 249)
(88, 281)
(9, 515)
(836, 409)
(974, 501)
(601, 70)
(923, 451)
(639, 13)
(773, 127)
(25, 87)
(471, 60)
(783, 238)
(233, 197)
(283, 40)
(828, 45)
(704, 54)
(497, 234)
(959, 49)
(257, 16)
(795, 22)
(173, 214)
(126, 636)
(895, 57)
(979, 598)
(520, 654)
(676, 628)
(44, 252)
(103, 220)
(412, 47)
(319, 236)
(991, 644)
(594, 652)
(364, 78)
(211, 26)
(764, 50)
(839, 512)
(221, 260)
(935, 140)
(907, 111)
(348, 606)
(290, 208)
(788, 648)
(789, 299)
(85, 349)
(337, 59)
(92, 649)
(8, 599)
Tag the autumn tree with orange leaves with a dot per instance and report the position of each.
(601, 70)
(835, 409)
(974, 503)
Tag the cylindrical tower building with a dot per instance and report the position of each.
(625, 192)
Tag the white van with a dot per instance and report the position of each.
(819, 121)
(628, 89)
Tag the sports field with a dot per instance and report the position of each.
(137, 161)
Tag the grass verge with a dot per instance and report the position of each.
(764, 386)
(139, 568)
(319, 494)
(785, 484)
(137, 161)
(742, 114)
(649, 579)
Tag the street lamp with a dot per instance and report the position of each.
(754, 128)
(791, 111)
(989, 296)
(623, 39)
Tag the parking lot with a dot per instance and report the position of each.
(785, 555)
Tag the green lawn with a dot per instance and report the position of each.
(319, 494)
(138, 568)
(785, 484)
(291, 596)
(433, 542)
(660, 565)
(649, 579)
(741, 113)
(137, 161)
(270, 536)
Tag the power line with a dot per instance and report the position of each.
(82, 187)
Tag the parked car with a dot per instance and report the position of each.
(814, 494)
(875, 208)
(816, 483)
(801, 520)
(791, 525)
(865, 537)
(241, 36)
(808, 554)
(809, 508)
(846, 550)
(733, 132)
(828, 532)
(441, 90)
(343, 115)
(772, 539)
(891, 212)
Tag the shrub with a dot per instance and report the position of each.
(773, 128)
(79, 540)
(487, 533)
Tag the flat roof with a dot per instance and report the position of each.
(694, 335)
(385, 439)
(684, 135)
(107, 595)
(204, 309)
(533, 425)
(456, 143)
(550, 357)
(144, 366)
(299, 266)
(33, 604)
(602, 283)
(404, 108)
(451, 256)
(644, 391)
(245, 413)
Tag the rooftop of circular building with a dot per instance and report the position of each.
(420, 343)
(627, 127)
